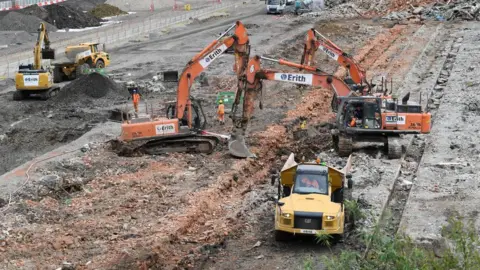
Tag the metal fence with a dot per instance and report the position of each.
(111, 36)
(19, 4)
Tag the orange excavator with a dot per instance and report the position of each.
(314, 40)
(182, 129)
(251, 85)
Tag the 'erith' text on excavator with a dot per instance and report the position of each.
(251, 84)
(182, 130)
(314, 40)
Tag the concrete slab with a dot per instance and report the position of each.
(448, 178)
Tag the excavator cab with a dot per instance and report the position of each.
(199, 120)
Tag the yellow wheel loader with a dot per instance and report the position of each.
(310, 199)
(79, 60)
(35, 79)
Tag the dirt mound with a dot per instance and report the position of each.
(86, 5)
(106, 10)
(91, 87)
(15, 21)
(67, 17)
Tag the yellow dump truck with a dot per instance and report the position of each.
(79, 58)
(310, 199)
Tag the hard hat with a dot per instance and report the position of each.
(220, 101)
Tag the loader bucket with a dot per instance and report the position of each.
(239, 149)
(48, 54)
(170, 76)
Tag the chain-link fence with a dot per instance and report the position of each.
(111, 36)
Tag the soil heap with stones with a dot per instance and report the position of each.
(92, 90)
(106, 10)
(56, 16)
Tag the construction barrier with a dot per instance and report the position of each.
(19, 4)
(6, 5)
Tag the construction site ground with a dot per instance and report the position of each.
(67, 198)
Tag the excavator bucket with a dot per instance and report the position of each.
(118, 115)
(170, 76)
(239, 149)
(48, 54)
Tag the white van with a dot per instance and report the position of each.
(276, 6)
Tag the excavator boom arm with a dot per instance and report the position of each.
(313, 43)
(203, 59)
(251, 85)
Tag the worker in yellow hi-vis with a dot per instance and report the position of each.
(221, 112)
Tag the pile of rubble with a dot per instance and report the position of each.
(348, 10)
(459, 10)
(465, 10)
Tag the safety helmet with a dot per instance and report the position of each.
(134, 90)
(220, 101)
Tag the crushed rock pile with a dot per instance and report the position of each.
(347, 11)
(85, 5)
(56, 16)
(15, 21)
(463, 10)
(455, 10)
(106, 10)
(67, 17)
(89, 88)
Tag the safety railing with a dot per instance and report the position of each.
(112, 36)
(5, 5)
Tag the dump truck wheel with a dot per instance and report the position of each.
(79, 70)
(337, 238)
(100, 64)
(394, 148)
(345, 146)
(282, 236)
(18, 95)
(57, 75)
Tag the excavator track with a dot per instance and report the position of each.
(193, 144)
(345, 146)
(394, 148)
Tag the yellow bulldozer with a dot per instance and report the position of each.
(310, 199)
(79, 60)
(36, 79)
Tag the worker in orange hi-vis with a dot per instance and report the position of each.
(221, 112)
(136, 98)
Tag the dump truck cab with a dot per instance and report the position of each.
(310, 199)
